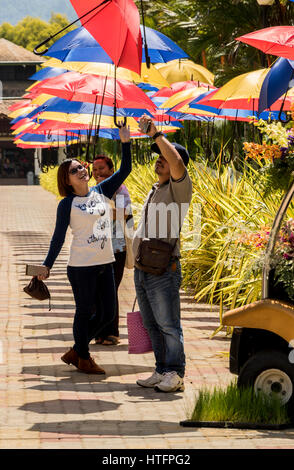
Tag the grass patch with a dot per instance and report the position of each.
(239, 405)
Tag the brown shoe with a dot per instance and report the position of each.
(71, 357)
(89, 366)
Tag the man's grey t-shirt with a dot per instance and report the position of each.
(167, 208)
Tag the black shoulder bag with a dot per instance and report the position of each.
(153, 255)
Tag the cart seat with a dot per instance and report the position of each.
(267, 314)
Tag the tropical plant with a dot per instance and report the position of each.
(218, 267)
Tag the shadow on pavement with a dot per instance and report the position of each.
(64, 406)
(110, 428)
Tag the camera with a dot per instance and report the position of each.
(145, 127)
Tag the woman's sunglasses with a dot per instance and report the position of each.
(73, 171)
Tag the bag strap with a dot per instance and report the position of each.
(147, 204)
(146, 212)
(134, 304)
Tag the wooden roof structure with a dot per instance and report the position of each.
(12, 54)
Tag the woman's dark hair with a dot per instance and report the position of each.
(64, 188)
(107, 160)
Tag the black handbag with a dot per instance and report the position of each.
(38, 290)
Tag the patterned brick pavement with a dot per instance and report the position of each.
(47, 404)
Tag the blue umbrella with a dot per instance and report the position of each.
(277, 82)
(47, 72)
(61, 105)
(79, 46)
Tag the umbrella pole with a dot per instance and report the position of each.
(90, 130)
(145, 40)
(114, 105)
(281, 109)
(100, 115)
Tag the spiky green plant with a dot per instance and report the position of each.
(238, 405)
(219, 270)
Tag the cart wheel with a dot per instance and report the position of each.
(272, 373)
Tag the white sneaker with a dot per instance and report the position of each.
(171, 382)
(151, 381)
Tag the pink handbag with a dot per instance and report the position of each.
(139, 339)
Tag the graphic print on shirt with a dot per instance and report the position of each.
(97, 207)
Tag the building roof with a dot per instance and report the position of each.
(11, 53)
(4, 105)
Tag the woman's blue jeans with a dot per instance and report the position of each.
(95, 297)
(159, 303)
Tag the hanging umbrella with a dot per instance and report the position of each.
(116, 27)
(47, 72)
(91, 89)
(106, 121)
(54, 139)
(242, 92)
(19, 104)
(55, 104)
(118, 17)
(184, 95)
(148, 75)
(183, 69)
(162, 95)
(78, 47)
(278, 81)
(276, 40)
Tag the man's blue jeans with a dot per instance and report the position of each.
(159, 303)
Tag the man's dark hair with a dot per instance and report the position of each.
(64, 188)
(107, 160)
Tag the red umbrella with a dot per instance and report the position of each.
(277, 40)
(74, 86)
(116, 27)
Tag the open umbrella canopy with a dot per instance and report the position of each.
(277, 82)
(47, 72)
(276, 40)
(19, 104)
(55, 104)
(185, 96)
(148, 75)
(80, 46)
(162, 95)
(86, 119)
(242, 92)
(96, 89)
(183, 69)
(45, 139)
(115, 25)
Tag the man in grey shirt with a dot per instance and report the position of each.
(158, 295)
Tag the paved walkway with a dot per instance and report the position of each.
(47, 404)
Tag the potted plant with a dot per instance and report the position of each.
(235, 407)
